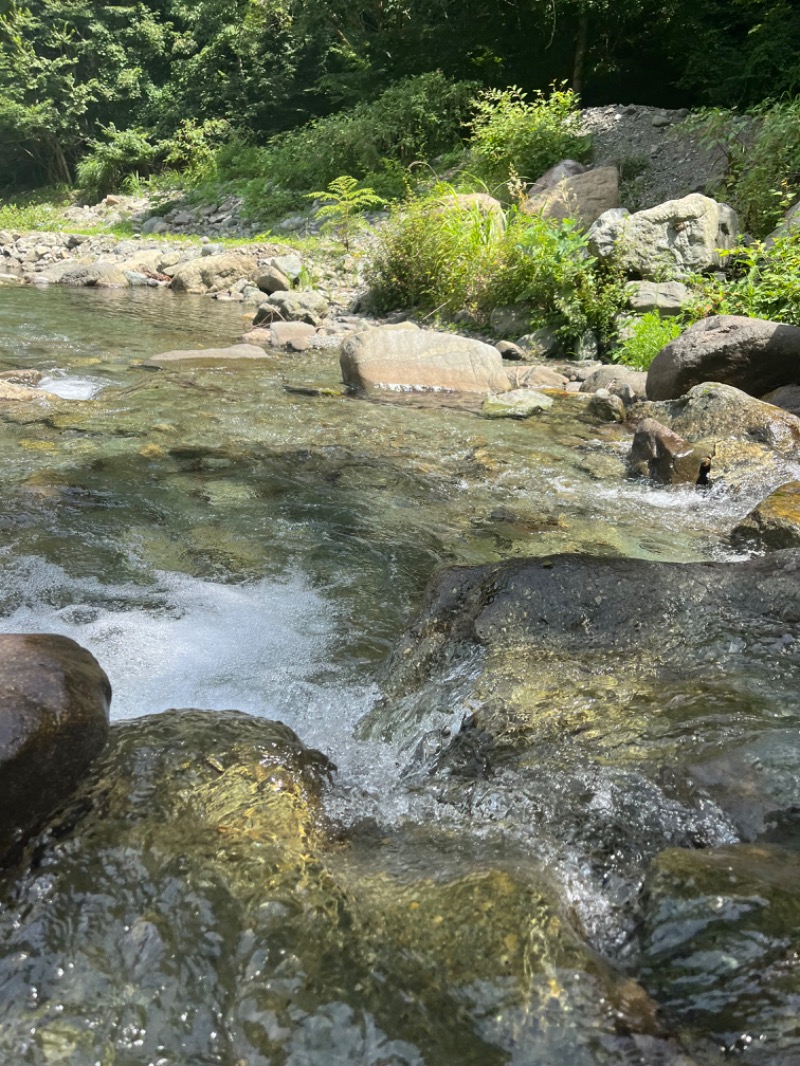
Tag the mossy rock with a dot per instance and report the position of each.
(774, 523)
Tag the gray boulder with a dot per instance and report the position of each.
(751, 354)
(310, 307)
(681, 237)
(211, 273)
(604, 232)
(54, 702)
(666, 297)
(410, 358)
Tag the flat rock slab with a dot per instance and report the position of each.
(410, 358)
(218, 356)
(518, 403)
(54, 704)
(752, 354)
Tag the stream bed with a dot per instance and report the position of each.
(473, 824)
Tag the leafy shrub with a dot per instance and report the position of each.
(514, 135)
(762, 158)
(647, 337)
(438, 252)
(414, 119)
(765, 283)
(445, 252)
(124, 152)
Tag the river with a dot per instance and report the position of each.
(234, 538)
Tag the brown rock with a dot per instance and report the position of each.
(663, 456)
(584, 197)
(54, 701)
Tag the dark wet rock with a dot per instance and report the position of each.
(747, 438)
(411, 358)
(714, 410)
(199, 848)
(54, 701)
(774, 523)
(751, 354)
(661, 455)
(585, 687)
(721, 947)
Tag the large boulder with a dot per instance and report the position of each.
(680, 236)
(54, 702)
(212, 273)
(389, 358)
(751, 354)
(583, 197)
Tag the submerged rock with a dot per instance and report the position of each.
(571, 693)
(219, 356)
(227, 924)
(774, 523)
(54, 701)
(720, 947)
(517, 403)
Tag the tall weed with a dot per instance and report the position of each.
(514, 135)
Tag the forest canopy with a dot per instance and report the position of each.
(160, 79)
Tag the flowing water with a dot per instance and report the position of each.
(234, 538)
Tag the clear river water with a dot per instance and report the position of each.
(236, 538)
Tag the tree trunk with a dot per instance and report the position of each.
(581, 45)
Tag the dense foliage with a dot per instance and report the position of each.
(133, 77)
(448, 252)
